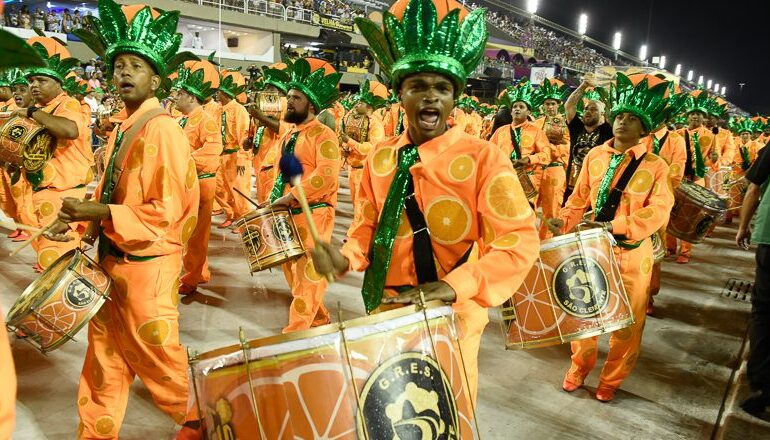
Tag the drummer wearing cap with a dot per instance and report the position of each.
(69, 170)
(311, 90)
(643, 209)
(146, 210)
(466, 193)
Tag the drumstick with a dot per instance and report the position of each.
(14, 226)
(291, 168)
(552, 228)
(247, 198)
(33, 238)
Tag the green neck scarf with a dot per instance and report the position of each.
(400, 128)
(183, 121)
(516, 139)
(258, 137)
(224, 124)
(385, 235)
(604, 187)
(656, 145)
(700, 165)
(107, 191)
(277, 190)
(746, 158)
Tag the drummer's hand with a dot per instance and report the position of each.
(524, 161)
(344, 138)
(329, 259)
(58, 232)
(287, 200)
(22, 113)
(743, 238)
(555, 137)
(76, 210)
(437, 290)
(240, 170)
(714, 156)
(248, 143)
(556, 223)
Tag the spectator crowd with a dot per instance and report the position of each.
(47, 19)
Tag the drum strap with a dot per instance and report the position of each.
(610, 207)
(422, 250)
(688, 170)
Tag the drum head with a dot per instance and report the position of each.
(40, 289)
(703, 196)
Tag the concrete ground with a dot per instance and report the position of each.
(691, 348)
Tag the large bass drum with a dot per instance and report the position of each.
(695, 210)
(25, 143)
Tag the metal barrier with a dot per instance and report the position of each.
(260, 7)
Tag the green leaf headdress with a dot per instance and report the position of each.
(17, 77)
(365, 94)
(697, 101)
(192, 78)
(413, 40)
(232, 83)
(320, 88)
(740, 125)
(7, 76)
(17, 53)
(75, 86)
(552, 89)
(58, 62)
(149, 33)
(521, 92)
(648, 103)
(278, 78)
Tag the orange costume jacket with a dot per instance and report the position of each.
(534, 144)
(205, 140)
(673, 151)
(236, 131)
(705, 140)
(359, 150)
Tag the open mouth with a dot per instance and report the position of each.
(429, 118)
(126, 87)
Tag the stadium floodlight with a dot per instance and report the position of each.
(582, 24)
(716, 88)
(700, 79)
(643, 52)
(678, 70)
(708, 84)
(690, 75)
(616, 40)
(532, 6)
(662, 62)
(724, 90)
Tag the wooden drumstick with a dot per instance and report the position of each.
(291, 169)
(256, 205)
(14, 226)
(34, 237)
(554, 230)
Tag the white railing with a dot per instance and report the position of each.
(260, 7)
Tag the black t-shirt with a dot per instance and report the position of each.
(760, 169)
(582, 141)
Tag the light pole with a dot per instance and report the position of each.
(708, 84)
(724, 90)
(643, 54)
(700, 80)
(582, 26)
(662, 63)
(532, 9)
(716, 88)
(690, 75)
(616, 43)
(678, 70)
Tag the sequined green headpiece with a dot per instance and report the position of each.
(365, 95)
(521, 92)
(698, 103)
(716, 109)
(154, 39)
(72, 86)
(278, 78)
(56, 67)
(17, 77)
(193, 83)
(349, 101)
(595, 94)
(6, 77)
(419, 43)
(740, 125)
(393, 98)
(552, 90)
(649, 104)
(466, 103)
(320, 89)
(228, 86)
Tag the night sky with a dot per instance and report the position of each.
(728, 42)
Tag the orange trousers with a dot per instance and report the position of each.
(265, 182)
(635, 270)
(47, 204)
(16, 200)
(308, 286)
(552, 187)
(196, 256)
(136, 333)
(355, 175)
(685, 247)
(8, 388)
(233, 203)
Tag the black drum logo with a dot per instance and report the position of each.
(580, 287)
(78, 295)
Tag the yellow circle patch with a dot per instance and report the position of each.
(448, 219)
(527, 141)
(104, 425)
(646, 265)
(404, 228)
(210, 126)
(162, 182)
(488, 231)
(310, 272)
(136, 155)
(47, 257)
(330, 150)
(315, 132)
(151, 149)
(154, 332)
(641, 183)
(384, 161)
(46, 209)
(191, 176)
(461, 168)
(299, 305)
(505, 197)
(316, 182)
(507, 241)
(596, 168)
(189, 227)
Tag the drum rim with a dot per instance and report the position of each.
(556, 340)
(551, 243)
(713, 204)
(261, 211)
(321, 330)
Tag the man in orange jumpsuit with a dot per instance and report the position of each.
(69, 170)
(551, 93)
(643, 209)
(267, 128)
(723, 140)
(317, 148)
(746, 153)
(465, 186)
(146, 208)
(234, 171)
(361, 132)
(394, 121)
(194, 86)
(526, 145)
(701, 154)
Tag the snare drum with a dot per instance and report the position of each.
(25, 143)
(58, 304)
(736, 191)
(269, 237)
(574, 291)
(357, 126)
(269, 104)
(526, 183)
(409, 383)
(695, 210)
(715, 181)
(658, 247)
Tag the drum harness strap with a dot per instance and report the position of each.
(400, 196)
(607, 211)
(112, 174)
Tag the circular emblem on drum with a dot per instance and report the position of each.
(78, 295)
(580, 287)
(17, 132)
(282, 229)
(409, 398)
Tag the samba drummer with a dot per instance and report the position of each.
(68, 171)
(315, 145)
(465, 186)
(525, 144)
(361, 131)
(146, 210)
(622, 167)
(194, 84)
(700, 154)
(747, 151)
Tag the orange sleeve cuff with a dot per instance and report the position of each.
(463, 283)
